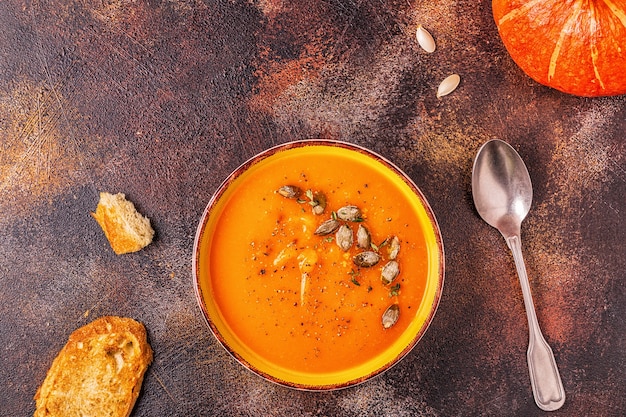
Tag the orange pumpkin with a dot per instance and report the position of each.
(576, 46)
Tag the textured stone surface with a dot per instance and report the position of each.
(161, 100)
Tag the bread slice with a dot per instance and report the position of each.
(98, 372)
(126, 229)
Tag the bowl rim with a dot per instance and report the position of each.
(240, 170)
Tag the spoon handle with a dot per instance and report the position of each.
(544, 374)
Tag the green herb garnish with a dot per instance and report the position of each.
(394, 290)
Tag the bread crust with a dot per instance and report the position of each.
(98, 372)
(125, 228)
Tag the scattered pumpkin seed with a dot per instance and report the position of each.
(389, 272)
(317, 210)
(394, 247)
(344, 237)
(425, 39)
(363, 237)
(328, 227)
(289, 191)
(391, 316)
(448, 85)
(366, 259)
(318, 201)
(350, 214)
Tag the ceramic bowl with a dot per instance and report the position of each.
(293, 363)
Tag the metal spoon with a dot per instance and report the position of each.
(502, 195)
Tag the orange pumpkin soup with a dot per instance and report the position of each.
(294, 298)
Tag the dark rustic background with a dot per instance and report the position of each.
(161, 100)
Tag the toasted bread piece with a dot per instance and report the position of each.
(98, 372)
(126, 229)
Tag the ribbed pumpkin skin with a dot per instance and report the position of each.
(575, 46)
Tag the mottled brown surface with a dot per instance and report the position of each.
(161, 100)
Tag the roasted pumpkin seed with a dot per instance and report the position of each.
(363, 237)
(290, 191)
(390, 272)
(366, 259)
(344, 237)
(318, 201)
(349, 214)
(394, 247)
(328, 227)
(317, 210)
(391, 316)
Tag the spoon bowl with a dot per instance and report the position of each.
(501, 187)
(503, 194)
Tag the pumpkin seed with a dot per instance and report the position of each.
(394, 247)
(318, 201)
(363, 237)
(350, 214)
(344, 237)
(425, 39)
(391, 316)
(328, 227)
(389, 272)
(448, 85)
(366, 259)
(289, 191)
